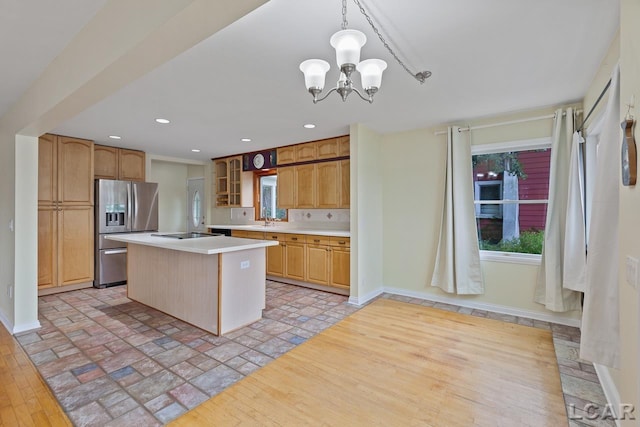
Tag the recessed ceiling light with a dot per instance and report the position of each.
(246, 140)
(309, 126)
(195, 150)
(163, 121)
(115, 137)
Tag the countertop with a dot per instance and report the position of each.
(201, 245)
(279, 228)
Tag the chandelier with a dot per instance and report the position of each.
(347, 44)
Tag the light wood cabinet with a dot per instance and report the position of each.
(228, 181)
(305, 186)
(328, 185)
(321, 260)
(322, 185)
(65, 211)
(295, 259)
(306, 152)
(275, 255)
(131, 165)
(286, 189)
(345, 184)
(286, 155)
(343, 145)
(118, 163)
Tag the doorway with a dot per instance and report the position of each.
(195, 205)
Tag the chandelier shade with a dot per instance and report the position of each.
(371, 73)
(347, 44)
(315, 71)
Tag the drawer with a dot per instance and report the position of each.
(318, 240)
(341, 241)
(239, 233)
(295, 238)
(274, 236)
(255, 235)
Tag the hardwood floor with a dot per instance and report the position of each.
(393, 363)
(25, 399)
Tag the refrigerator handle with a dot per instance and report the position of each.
(129, 208)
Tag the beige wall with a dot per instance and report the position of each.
(413, 170)
(172, 194)
(628, 379)
(366, 213)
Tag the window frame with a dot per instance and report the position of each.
(500, 147)
(256, 193)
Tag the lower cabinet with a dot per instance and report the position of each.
(321, 260)
(65, 246)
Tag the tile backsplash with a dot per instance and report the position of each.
(333, 217)
(243, 215)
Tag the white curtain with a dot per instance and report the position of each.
(575, 256)
(457, 268)
(600, 341)
(549, 286)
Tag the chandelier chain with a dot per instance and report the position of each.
(344, 15)
(421, 76)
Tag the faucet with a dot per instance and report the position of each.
(267, 220)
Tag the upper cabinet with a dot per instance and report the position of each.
(321, 185)
(228, 181)
(65, 171)
(331, 148)
(119, 163)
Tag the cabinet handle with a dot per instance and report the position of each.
(294, 238)
(274, 237)
(316, 240)
(342, 243)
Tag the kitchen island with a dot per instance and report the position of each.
(215, 283)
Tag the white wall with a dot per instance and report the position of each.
(172, 194)
(413, 171)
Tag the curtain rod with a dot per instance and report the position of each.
(595, 104)
(511, 122)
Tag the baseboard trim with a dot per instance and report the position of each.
(288, 281)
(495, 308)
(359, 301)
(25, 327)
(610, 390)
(6, 322)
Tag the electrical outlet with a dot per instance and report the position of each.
(11, 225)
(244, 264)
(10, 291)
(632, 271)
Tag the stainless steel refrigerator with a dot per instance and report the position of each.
(120, 207)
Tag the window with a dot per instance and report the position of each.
(265, 195)
(511, 188)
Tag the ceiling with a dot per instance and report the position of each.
(487, 58)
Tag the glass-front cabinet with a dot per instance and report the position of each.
(228, 175)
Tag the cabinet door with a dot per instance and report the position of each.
(221, 182)
(343, 146)
(294, 263)
(328, 185)
(306, 152)
(47, 170)
(235, 181)
(345, 184)
(105, 162)
(131, 165)
(275, 260)
(75, 245)
(328, 148)
(305, 186)
(285, 155)
(340, 268)
(75, 171)
(47, 249)
(318, 264)
(286, 188)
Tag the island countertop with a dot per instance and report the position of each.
(201, 245)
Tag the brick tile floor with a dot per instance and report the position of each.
(112, 361)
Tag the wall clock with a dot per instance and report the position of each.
(258, 161)
(628, 152)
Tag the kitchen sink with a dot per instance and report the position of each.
(191, 235)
